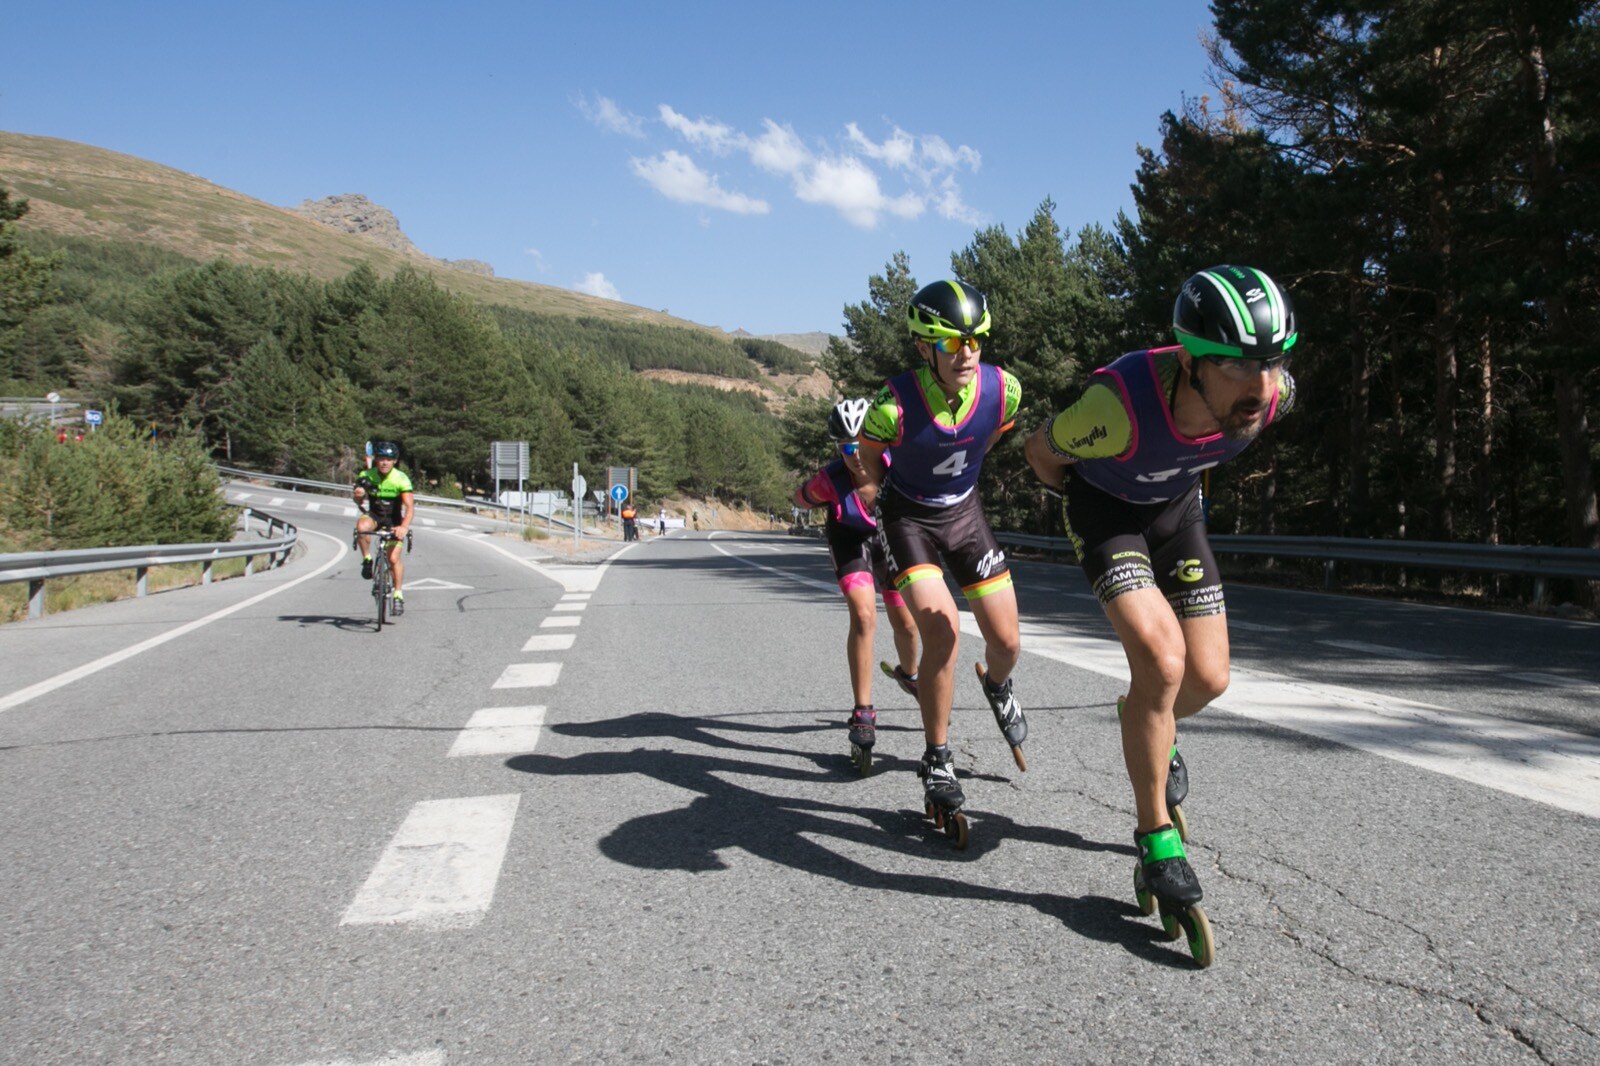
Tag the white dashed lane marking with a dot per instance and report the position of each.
(569, 606)
(554, 623)
(529, 675)
(421, 1058)
(500, 731)
(551, 642)
(313, 506)
(440, 870)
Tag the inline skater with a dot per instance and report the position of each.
(858, 564)
(385, 494)
(940, 420)
(1127, 457)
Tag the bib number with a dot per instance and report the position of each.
(953, 466)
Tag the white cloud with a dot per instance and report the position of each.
(705, 133)
(677, 177)
(595, 284)
(538, 258)
(938, 155)
(605, 113)
(950, 205)
(898, 151)
(850, 187)
(778, 150)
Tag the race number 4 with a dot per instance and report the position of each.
(953, 466)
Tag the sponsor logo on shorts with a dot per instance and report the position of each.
(1189, 570)
(992, 560)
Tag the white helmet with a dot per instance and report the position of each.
(844, 421)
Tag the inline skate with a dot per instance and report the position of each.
(1177, 784)
(1007, 714)
(1164, 881)
(907, 682)
(942, 797)
(863, 734)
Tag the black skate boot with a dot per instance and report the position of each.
(941, 794)
(863, 734)
(907, 682)
(1007, 714)
(1163, 878)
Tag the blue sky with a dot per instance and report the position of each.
(737, 164)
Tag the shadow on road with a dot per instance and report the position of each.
(792, 831)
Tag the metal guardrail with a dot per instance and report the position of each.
(36, 567)
(1540, 563)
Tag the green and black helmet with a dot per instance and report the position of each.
(947, 309)
(1236, 312)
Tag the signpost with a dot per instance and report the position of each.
(580, 488)
(93, 419)
(508, 461)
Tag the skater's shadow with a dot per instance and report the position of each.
(795, 832)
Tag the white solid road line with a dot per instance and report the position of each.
(500, 731)
(21, 696)
(440, 870)
(1378, 649)
(827, 586)
(1535, 762)
(529, 675)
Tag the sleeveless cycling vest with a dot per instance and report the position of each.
(1160, 464)
(939, 465)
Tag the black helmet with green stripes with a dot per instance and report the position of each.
(947, 309)
(1236, 312)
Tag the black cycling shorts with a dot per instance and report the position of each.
(919, 540)
(1126, 546)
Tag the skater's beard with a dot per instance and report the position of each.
(1242, 421)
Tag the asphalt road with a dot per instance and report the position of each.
(585, 813)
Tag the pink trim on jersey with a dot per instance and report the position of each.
(1127, 409)
(972, 408)
(1166, 408)
(854, 580)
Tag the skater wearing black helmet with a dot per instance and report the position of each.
(1127, 458)
(939, 421)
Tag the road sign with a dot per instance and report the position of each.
(619, 493)
(92, 418)
(508, 460)
(580, 486)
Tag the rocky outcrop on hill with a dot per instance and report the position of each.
(355, 214)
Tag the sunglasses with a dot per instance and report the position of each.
(1245, 369)
(849, 447)
(952, 345)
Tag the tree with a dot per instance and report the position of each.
(26, 284)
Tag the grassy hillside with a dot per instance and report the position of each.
(79, 190)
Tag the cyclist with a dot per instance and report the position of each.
(1127, 458)
(858, 565)
(940, 420)
(385, 495)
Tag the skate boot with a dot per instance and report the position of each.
(1007, 714)
(941, 794)
(863, 734)
(1163, 879)
(907, 682)
(1177, 784)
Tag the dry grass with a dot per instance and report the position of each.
(83, 590)
(79, 190)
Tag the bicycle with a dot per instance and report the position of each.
(382, 575)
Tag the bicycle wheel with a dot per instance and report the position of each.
(380, 588)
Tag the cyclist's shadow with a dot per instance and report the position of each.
(790, 830)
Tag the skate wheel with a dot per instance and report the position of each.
(936, 815)
(1141, 895)
(862, 758)
(955, 827)
(1179, 821)
(1022, 761)
(1171, 925)
(1198, 929)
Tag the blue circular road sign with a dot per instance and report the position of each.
(619, 492)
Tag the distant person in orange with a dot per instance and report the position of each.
(630, 522)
